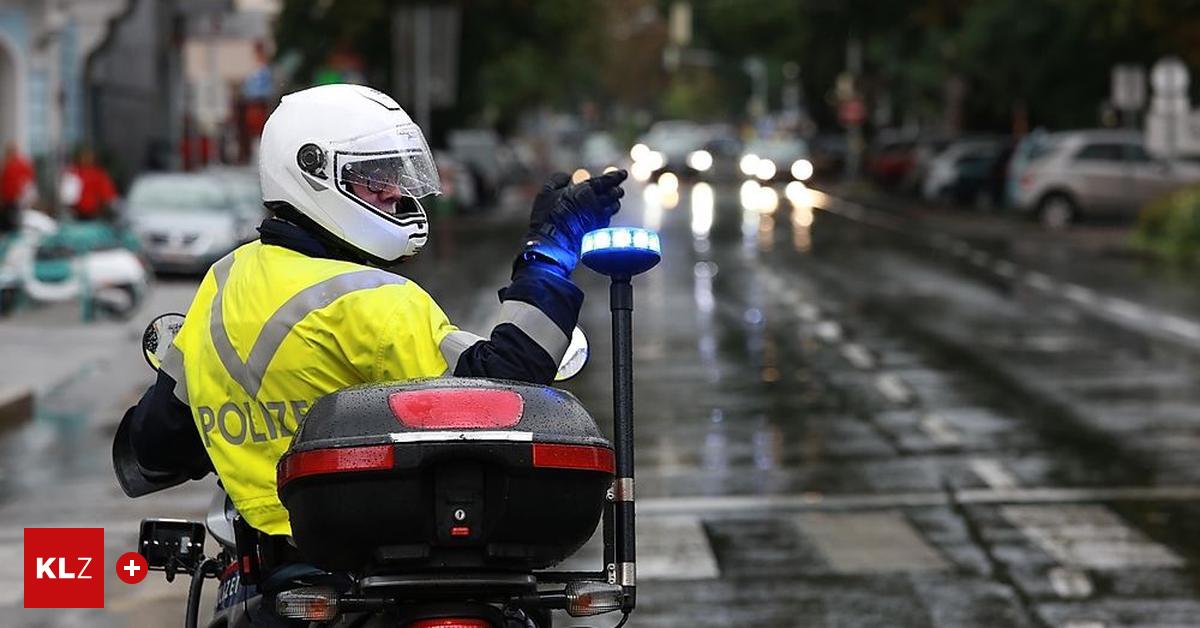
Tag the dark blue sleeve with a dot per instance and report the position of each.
(518, 350)
(163, 434)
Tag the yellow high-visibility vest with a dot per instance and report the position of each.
(269, 332)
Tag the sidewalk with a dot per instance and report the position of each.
(49, 347)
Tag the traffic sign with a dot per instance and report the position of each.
(1128, 87)
(852, 112)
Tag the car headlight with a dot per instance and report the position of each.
(700, 160)
(641, 171)
(748, 164)
(802, 169)
(764, 169)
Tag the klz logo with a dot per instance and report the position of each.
(64, 567)
(45, 568)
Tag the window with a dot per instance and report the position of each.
(1101, 152)
(173, 193)
(1137, 153)
(1041, 148)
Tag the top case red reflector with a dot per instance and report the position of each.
(339, 460)
(583, 457)
(457, 408)
(451, 622)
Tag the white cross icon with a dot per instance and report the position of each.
(132, 568)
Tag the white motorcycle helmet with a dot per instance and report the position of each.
(351, 160)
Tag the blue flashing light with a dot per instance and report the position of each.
(624, 251)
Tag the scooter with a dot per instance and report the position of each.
(438, 503)
(46, 262)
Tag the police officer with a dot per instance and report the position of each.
(308, 309)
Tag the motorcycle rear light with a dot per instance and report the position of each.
(342, 459)
(451, 622)
(457, 408)
(308, 604)
(593, 598)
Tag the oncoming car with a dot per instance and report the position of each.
(776, 159)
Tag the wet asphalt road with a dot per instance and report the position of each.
(835, 427)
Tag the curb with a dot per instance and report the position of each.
(16, 406)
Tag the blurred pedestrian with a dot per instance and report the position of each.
(17, 188)
(87, 188)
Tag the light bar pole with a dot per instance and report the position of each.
(621, 304)
(622, 253)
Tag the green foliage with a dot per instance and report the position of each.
(1051, 58)
(513, 54)
(1169, 227)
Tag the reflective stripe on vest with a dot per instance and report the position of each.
(172, 365)
(249, 374)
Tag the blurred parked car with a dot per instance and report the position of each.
(1030, 148)
(924, 150)
(187, 221)
(480, 152)
(964, 172)
(889, 160)
(1096, 173)
(777, 158)
(243, 187)
(458, 188)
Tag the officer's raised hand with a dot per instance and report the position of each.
(563, 213)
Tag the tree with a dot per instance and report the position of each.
(513, 54)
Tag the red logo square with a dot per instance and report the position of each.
(64, 568)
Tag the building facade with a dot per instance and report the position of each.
(44, 47)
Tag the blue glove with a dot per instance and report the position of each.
(562, 214)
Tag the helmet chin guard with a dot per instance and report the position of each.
(351, 160)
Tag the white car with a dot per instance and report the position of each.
(781, 158)
(1076, 174)
(667, 145)
(187, 221)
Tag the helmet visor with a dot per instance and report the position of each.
(395, 161)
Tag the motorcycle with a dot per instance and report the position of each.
(94, 263)
(437, 503)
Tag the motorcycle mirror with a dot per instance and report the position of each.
(575, 357)
(158, 336)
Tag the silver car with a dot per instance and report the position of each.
(186, 221)
(1079, 174)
